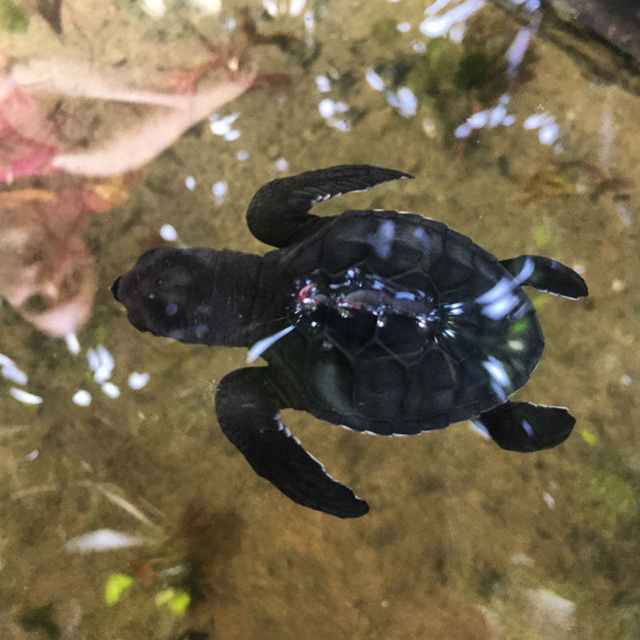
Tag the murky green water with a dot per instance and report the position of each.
(463, 540)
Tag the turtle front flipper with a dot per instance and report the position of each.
(248, 414)
(525, 427)
(547, 275)
(279, 215)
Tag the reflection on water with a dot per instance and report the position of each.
(511, 145)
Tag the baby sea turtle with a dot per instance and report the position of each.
(379, 321)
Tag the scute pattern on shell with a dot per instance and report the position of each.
(391, 377)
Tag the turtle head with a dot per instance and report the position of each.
(171, 292)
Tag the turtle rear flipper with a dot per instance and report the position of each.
(525, 427)
(279, 215)
(249, 416)
(547, 275)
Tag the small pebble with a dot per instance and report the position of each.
(110, 389)
(537, 120)
(222, 126)
(478, 120)
(296, 7)
(617, 285)
(457, 33)
(234, 134)
(30, 457)
(497, 116)
(323, 83)
(270, 7)
(168, 233)
(190, 183)
(408, 103)
(626, 380)
(138, 380)
(374, 80)
(462, 131)
(24, 396)
(551, 503)
(309, 26)
(11, 372)
(437, 5)
(242, 155)
(326, 108)
(549, 133)
(282, 164)
(72, 343)
(341, 107)
(219, 189)
(340, 124)
(82, 398)
(93, 359)
(106, 359)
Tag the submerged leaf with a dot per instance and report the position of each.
(176, 599)
(115, 586)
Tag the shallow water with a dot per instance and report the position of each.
(463, 540)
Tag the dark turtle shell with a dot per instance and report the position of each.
(401, 325)
(376, 320)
